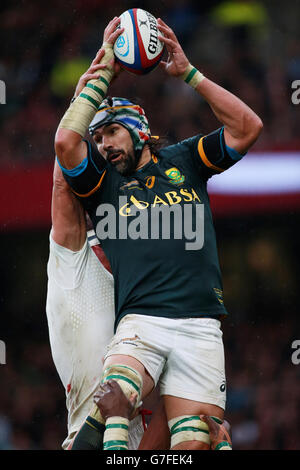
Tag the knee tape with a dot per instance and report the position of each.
(130, 380)
(188, 428)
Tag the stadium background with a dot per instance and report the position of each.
(251, 48)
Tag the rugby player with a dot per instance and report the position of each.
(168, 299)
(79, 307)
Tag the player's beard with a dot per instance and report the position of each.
(127, 163)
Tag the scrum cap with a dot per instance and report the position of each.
(129, 115)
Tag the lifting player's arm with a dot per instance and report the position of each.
(241, 125)
(68, 218)
(70, 148)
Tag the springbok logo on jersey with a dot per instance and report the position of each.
(175, 176)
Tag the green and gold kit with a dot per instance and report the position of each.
(158, 272)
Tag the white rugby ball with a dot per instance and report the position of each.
(138, 48)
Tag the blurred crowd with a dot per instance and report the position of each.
(250, 47)
(263, 382)
(263, 385)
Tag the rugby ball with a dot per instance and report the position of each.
(138, 48)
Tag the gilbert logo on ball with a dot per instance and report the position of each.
(138, 49)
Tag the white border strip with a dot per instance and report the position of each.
(260, 173)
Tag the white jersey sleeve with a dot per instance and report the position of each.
(65, 266)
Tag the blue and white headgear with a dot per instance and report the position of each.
(129, 115)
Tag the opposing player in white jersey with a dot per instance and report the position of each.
(80, 307)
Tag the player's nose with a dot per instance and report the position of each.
(107, 143)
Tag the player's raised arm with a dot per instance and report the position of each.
(241, 125)
(69, 146)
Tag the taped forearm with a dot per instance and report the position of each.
(116, 433)
(81, 112)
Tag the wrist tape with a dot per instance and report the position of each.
(83, 109)
(116, 433)
(192, 76)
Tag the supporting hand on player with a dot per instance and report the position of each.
(111, 33)
(218, 433)
(111, 401)
(177, 61)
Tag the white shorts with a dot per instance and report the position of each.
(185, 354)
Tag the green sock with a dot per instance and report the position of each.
(90, 435)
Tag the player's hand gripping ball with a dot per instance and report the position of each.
(138, 48)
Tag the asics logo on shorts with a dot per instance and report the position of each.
(223, 386)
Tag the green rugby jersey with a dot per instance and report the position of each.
(158, 276)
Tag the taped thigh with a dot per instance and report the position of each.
(129, 379)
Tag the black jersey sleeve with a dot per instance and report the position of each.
(213, 155)
(86, 178)
(208, 153)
